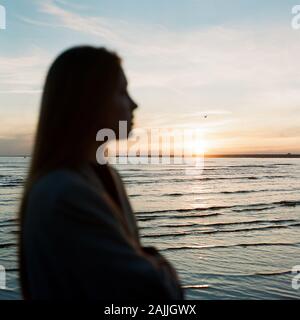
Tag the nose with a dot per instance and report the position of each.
(133, 105)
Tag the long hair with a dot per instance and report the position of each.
(78, 86)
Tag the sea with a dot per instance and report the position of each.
(231, 229)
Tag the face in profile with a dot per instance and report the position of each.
(121, 106)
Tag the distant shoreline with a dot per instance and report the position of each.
(253, 156)
(288, 155)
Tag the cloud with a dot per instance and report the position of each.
(22, 91)
(94, 26)
(256, 58)
(23, 74)
(251, 73)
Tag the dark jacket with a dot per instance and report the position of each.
(79, 244)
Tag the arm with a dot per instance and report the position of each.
(107, 263)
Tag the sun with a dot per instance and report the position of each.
(197, 147)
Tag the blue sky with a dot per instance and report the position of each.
(236, 61)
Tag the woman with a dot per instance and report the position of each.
(79, 238)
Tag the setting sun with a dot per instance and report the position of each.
(200, 147)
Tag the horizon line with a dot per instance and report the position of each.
(225, 155)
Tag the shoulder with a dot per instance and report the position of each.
(66, 193)
(63, 190)
(64, 200)
(42, 204)
(113, 170)
(117, 177)
(56, 183)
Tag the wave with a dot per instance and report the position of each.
(7, 166)
(12, 269)
(175, 194)
(245, 177)
(7, 245)
(9, 220)
(218, 231)
(256, 221)
(185, 210)
(196, 286)
(182, 210)
(250, 166)
(235, 208)
(272, 273)
(244, 245)
(256, 209)
(290, 203)
(8, 223)
(10, 181)
(145, 174)
(138, 182)
(172, 225)
(273, 205)
(256, 191)
(177, 217)
(295, 225)
(271, 165)
(10, 185)
(222, 224)
(15, 231)
(246, 229)
(182, 194)
(238, 275)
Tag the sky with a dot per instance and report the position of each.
(228, 68)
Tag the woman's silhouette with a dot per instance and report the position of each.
(79, 238)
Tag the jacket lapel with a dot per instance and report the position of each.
(126, 207)
(125, 212)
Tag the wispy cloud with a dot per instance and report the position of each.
(246, 78)
(23, 74)
(260, 57)
(94, 26)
